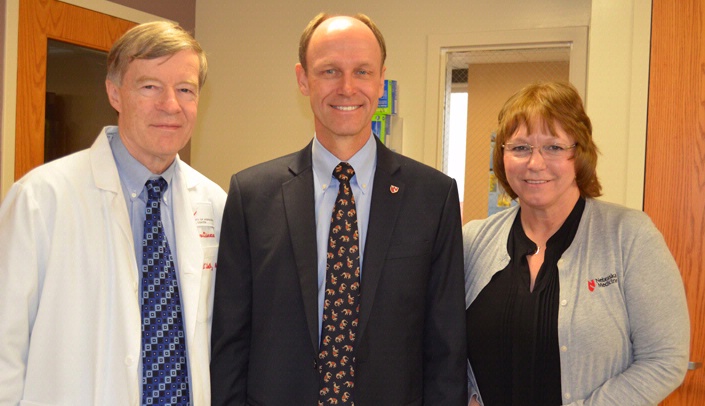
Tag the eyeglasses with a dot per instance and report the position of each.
(549, 151)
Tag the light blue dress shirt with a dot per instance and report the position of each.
(133, 176)
(364, 162)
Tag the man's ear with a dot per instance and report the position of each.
(113, 95)
(302, 79)
(381, 93)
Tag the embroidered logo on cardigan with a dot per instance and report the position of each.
(602, 282)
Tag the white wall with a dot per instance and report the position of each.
(251, 107)
(252, 111)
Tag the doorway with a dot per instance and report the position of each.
(40, 21)
(485, 53)
(478, 82)
(76, 105)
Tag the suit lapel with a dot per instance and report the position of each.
(387, 196)
(299, 206)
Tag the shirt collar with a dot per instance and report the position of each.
(132, 173)
(363, 162)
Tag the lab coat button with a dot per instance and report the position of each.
(567, 395)
(564, 302)
(564, 348)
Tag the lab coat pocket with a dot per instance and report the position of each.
(205, 222)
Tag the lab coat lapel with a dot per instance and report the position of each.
(188, 249)
(107, 179)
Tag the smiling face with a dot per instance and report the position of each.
(157, 102)
(344, 79)
(542, 184)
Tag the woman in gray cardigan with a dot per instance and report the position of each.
(569, 300)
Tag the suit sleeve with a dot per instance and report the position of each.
(23, 239)
(445, 359)
(232, 306)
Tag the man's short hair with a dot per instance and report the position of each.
(149, 41)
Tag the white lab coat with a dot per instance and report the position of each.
(70, 326)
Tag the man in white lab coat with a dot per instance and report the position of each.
(72, 277)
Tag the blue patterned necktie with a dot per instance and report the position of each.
(164, 369)
(341, 304)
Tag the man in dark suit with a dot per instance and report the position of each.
(369, 310)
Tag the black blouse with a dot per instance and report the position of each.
(512, 332)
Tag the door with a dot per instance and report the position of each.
(674, 190)
(40, 20)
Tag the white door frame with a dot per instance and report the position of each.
(440, 45)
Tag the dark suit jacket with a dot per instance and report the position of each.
(411, 337)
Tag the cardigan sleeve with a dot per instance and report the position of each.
(657, 319)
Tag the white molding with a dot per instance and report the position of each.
(9, 102)
(115, 10)
(618, 84)
(638, 106)
(439, 45)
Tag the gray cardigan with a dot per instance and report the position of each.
(623, 326)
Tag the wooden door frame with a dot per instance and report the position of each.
(673, 191)
(10, 78)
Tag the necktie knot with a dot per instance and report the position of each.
(155, 188)
(343, 172)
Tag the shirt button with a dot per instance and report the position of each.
(564, 302)
(134, 195)
(564, 348)
(567, 395)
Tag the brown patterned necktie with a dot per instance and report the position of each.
(341, 304)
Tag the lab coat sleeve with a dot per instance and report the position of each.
(23, 246)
